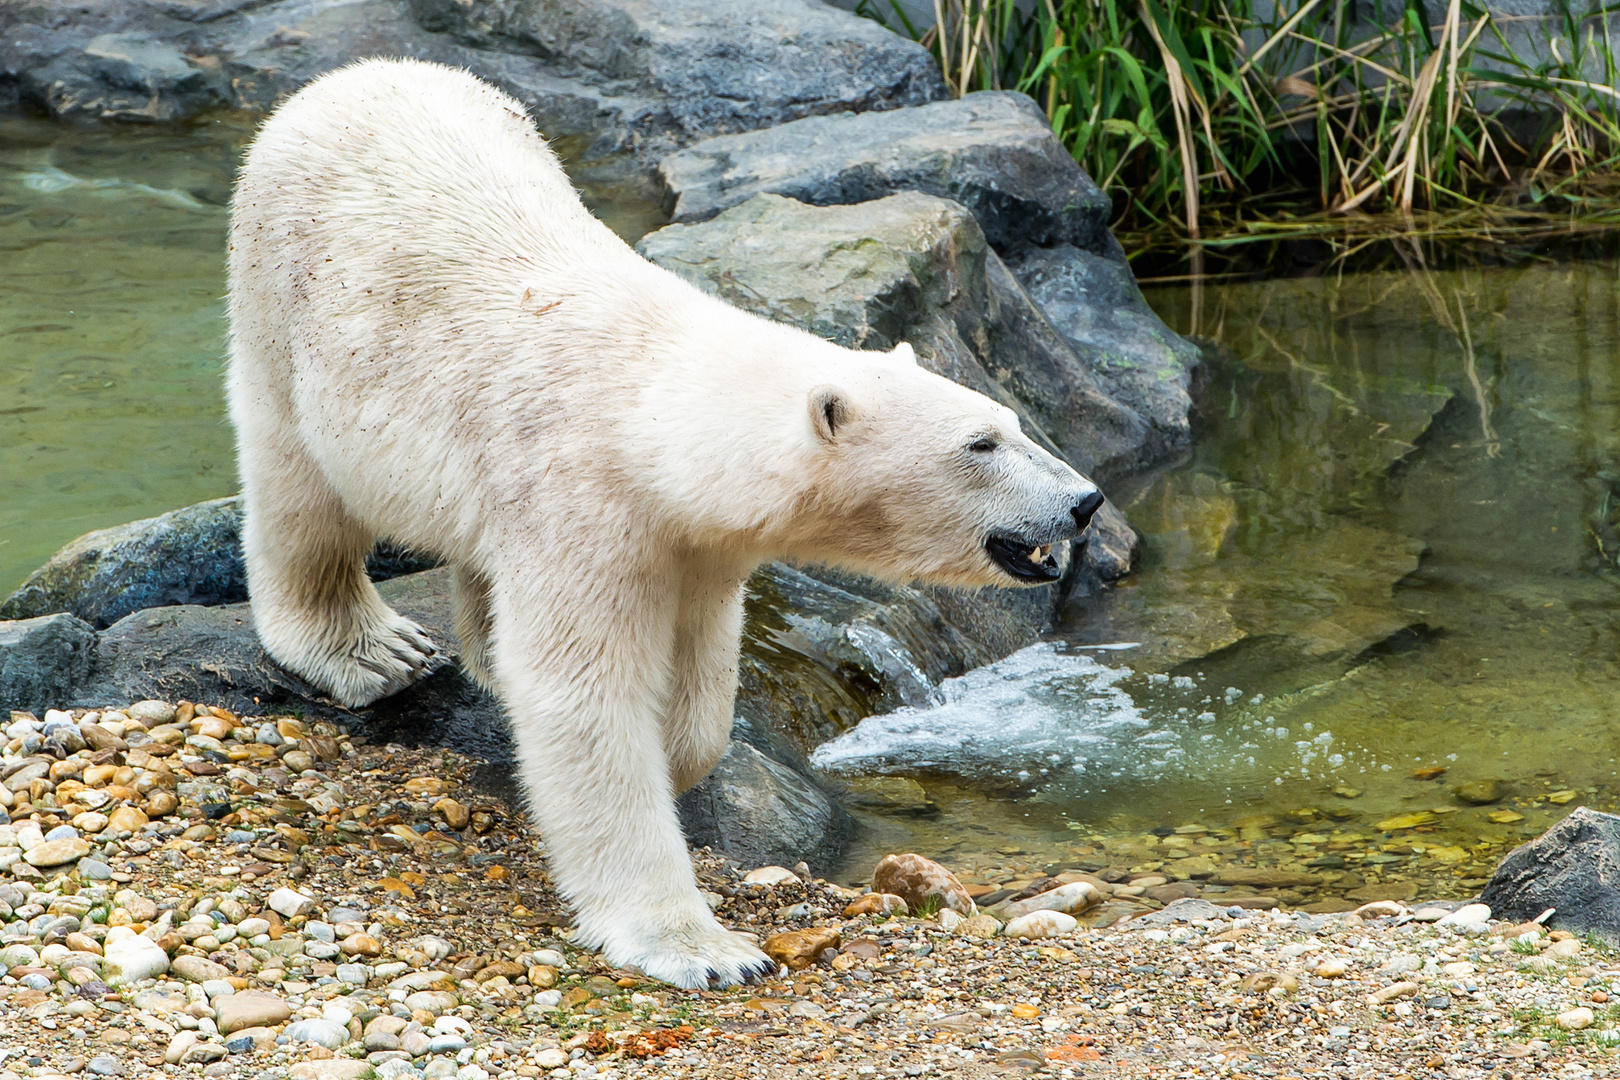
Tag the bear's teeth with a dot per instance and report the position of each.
(1039, 554)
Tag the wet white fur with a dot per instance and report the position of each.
(432, 340)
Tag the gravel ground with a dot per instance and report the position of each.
(186, 892)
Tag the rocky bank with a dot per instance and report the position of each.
(188, 891)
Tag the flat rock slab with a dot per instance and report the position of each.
(992, 152)
(1573, 867)
(188, 556)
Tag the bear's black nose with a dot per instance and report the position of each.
(1085, 508)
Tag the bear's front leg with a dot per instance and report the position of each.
(585, 672)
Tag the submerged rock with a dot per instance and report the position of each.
(993, 152)
(1573, 867)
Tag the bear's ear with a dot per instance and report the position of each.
(829, 411)
(905, 352)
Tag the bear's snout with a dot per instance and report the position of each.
(1085, 509)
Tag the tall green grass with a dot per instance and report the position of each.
(1209, 121)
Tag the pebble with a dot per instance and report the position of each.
(318, 1031)
(436, 966)
(922, 883)
(290, 903)
(1069, 899)
(49, 853)
(798, 949)
(877, 903)
(197, 969)
(131, 959)
(249, 1009)
(1575, 1019)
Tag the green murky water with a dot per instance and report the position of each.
(1383, 588)
(1394, 551)
(111, 330)
(112, 279)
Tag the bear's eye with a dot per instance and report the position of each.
(982, 446)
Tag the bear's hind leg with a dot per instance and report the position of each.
(316, 611)
(474, 624)
(697, 723)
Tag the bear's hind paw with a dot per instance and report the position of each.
(713, 963)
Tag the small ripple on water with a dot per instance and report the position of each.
(51, 180)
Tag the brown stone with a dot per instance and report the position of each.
(876, 904)
(126, 819)
(509, 968)
(922, 883)
(161, 803)
(455, 814)
(798, 949)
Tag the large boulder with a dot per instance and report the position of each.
(761, 812)
(682, 70)
(620, 83)
(1094, 302)
(42, 660)
(188, 556)
(1573, 868)
(993, 152)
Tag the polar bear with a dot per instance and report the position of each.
(432, 340)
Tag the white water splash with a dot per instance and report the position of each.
(1036, 711)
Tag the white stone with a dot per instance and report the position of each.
(1469, 918)
(771, 875)
(131, 959)
(1042, 924)
(1575, 1019)
(1068, 899)
(289, 903)
(178, 1046)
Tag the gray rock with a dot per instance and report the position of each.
(1573, 867)
(1094, 302)
(1187, 909)
(42, 659)
(187, 556)
(760, 812)
(681, 70)
(993, 152)
(621, 82)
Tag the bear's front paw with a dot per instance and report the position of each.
(707, 960)
(383, 660)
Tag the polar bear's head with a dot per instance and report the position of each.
(917, 477)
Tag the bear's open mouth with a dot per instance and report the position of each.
(1023, 560)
